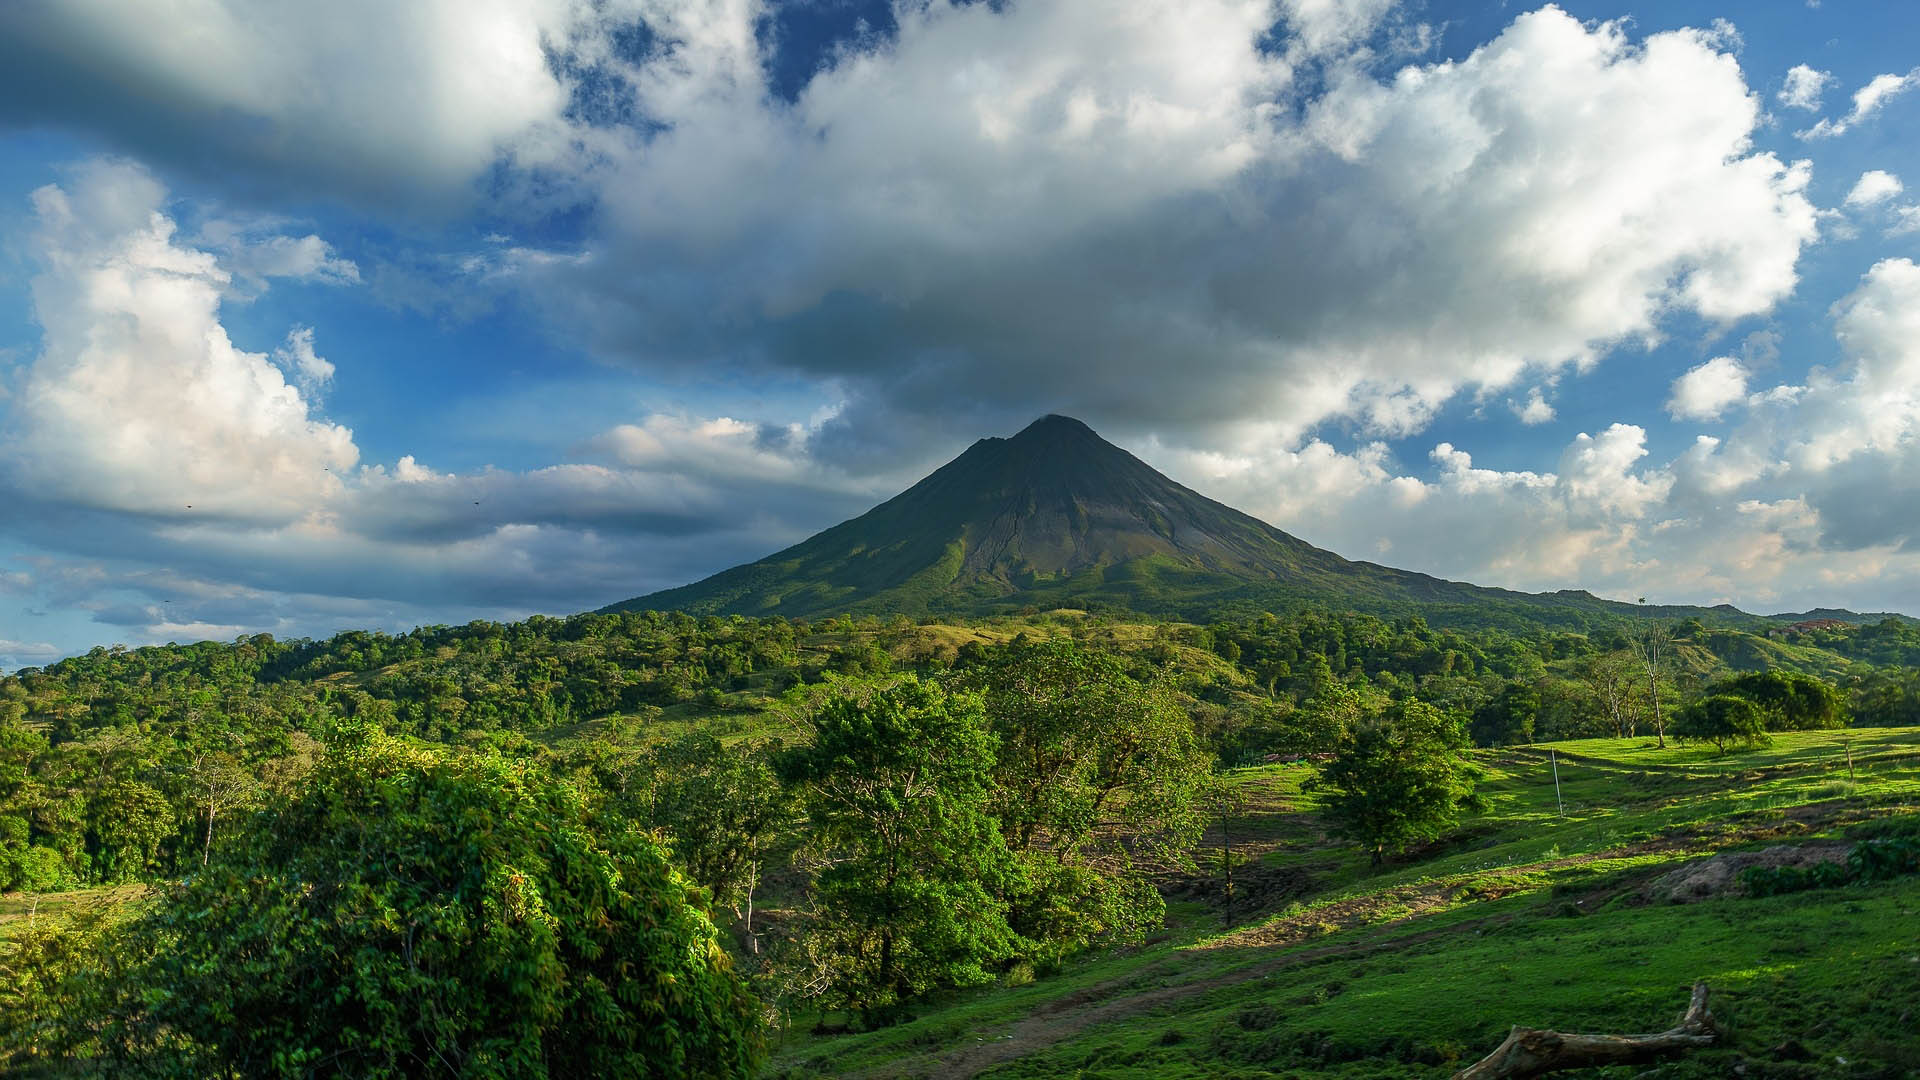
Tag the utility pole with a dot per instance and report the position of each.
(1555, 761)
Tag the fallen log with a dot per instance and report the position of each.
(1533, 1051)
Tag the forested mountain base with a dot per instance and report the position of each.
(856, 820)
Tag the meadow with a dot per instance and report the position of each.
(1540, 911)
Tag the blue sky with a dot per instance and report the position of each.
(327, 316)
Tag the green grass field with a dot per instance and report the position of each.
(1537, 912)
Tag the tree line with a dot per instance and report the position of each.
(706, 822)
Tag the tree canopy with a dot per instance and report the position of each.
(1396, 779)
(413, 911)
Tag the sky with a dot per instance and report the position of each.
(319, 317)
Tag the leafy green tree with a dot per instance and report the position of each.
(1789, 700)
(1324, 719)
(129, 820)
(412, 912)
(1725, 720)
(897, 785)
(721, 806)
(1888, 698)
(1397, 779)
(1097, 776)
(1508, 719)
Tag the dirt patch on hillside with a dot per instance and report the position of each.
(1720, 874)
(1118, 999)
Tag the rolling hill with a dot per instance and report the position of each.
(1056, 516)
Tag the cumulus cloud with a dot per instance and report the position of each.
(296, 356)
(1867, 101)
(954, 223)
(143, 437)
(1534, 410)
(365, 97)
(1875, 186)
(259, 249)
(139, 400)
(1706, 391)
(1804, 88)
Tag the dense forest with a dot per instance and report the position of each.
(832, 818)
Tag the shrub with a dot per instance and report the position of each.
(414, 912)
(1879, 860)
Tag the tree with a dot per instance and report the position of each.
(1725, 720)
(1788, 700)
(413, 912)
(1396, 779)
(897, 787)
(1652, 639)
(1612, 675)
(128, 820)
(1508, 719)
(218, 782)
(1096, 774)
(721, 805)
(1888, 698)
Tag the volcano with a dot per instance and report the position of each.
(1057, 517)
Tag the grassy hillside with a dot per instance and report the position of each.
(1530, 916)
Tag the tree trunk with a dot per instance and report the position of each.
(1226, 863)
(1653, 691)
(1532, 1051)
(207, 853)
(753, 882)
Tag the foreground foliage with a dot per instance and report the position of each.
(869, 815)
(413, 912)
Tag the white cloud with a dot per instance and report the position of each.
(143, 437)
(1867, 101)
(310, 371)
(1596, 475)
(1804, 88)
(139, 400)
(358, 97)
(1874, 186)
(1534, 410)
(257, 250)
(1813, 499)
(17, 654)
(968, 212)
(1706, 391)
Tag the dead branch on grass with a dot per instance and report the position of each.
(1533, 1051)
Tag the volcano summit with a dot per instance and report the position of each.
(1056, 516)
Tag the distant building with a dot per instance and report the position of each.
(1808, 626)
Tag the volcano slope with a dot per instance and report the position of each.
(1058, 517)
(1528, 915)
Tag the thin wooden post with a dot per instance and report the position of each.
(1557, 801)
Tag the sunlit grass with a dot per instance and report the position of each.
(1534, 914)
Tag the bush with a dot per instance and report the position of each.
(1870, 860)
(1724, 720)
(1879, 860)
(415, 912)
(1780, 880)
